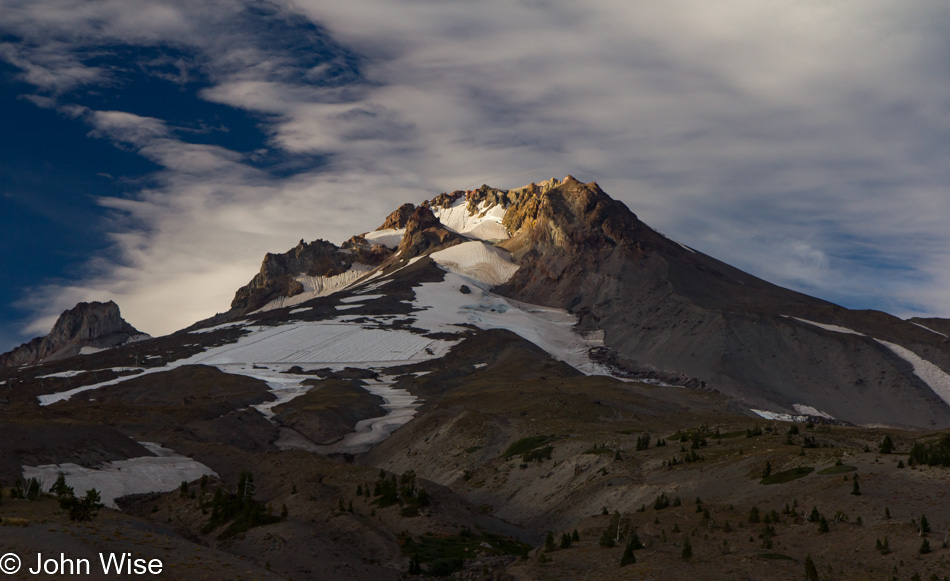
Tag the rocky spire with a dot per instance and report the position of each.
(95, 324)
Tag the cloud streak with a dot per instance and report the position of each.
(803, 142)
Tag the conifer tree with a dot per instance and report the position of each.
(628, 557)
(811, 572)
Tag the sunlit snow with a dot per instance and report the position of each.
(484, 224)
(481, 262)
(319, 286)
(389, 237)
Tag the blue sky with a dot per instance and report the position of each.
(153, 151)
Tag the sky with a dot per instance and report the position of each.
(154, 150)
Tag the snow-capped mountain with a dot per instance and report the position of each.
(457, 331)
(641, 305)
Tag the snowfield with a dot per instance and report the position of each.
(161, 473)
(323, 342)
(390, 237)
(834, 328)
(481, 262)
(319, 286)
(484, 224)
(400, 406)
(444, 307)
(318, 343)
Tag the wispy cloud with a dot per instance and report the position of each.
(805, 142)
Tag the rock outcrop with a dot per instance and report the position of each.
(399, 218)
(424, 233)
(278, 275)
(93, 325)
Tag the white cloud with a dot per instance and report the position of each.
(805, 142)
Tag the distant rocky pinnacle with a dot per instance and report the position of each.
(94, 325)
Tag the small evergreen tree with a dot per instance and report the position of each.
(814, 515)
(811, 572)
(565, 541)
(687, 553)
(414, 567)
(886, 446)
(628, 557)
(754, 515)
(924, 547)
(822, 525)
(575, 537)
(549, 542)
(32, 489)
(60, 488)
(856, 489)
(924, 525)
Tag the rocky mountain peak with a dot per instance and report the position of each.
(398, 218)
(96, 325)
(424, 232)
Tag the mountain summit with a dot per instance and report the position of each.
(505, 364)
(665, 312)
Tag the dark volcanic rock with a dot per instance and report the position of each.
(278, 271)
(399, 218)
(424, 233)
(277, 277)
(95, 324)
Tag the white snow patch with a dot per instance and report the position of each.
(74, 373)
(927, 328)
(933, 376)
(484, 224)
(319, 286)
(686, 247)
(323, 342)
(303, 310)
(89, 350)
(219, 327)
(807, 410)
(444, 308)
(483, 263)
(389, 237)
(827, 327)
(161, 473)
(360, 298)
(781, 417)
(65, 395)
(347, 307)
(400, 406)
